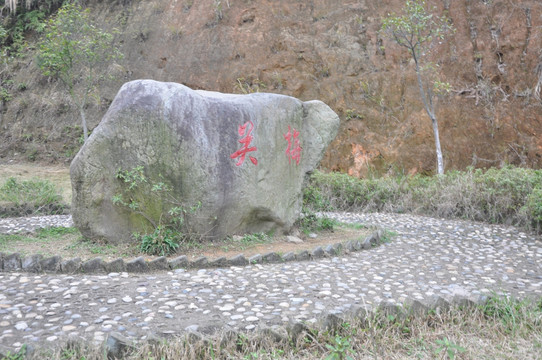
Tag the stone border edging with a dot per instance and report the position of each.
(54, 264)
(116, 345)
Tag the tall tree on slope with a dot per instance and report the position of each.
(417, 31)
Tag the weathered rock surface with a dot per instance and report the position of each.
(243, 157)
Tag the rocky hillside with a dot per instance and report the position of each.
(317, 49)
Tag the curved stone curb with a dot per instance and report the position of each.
(332, 321)
(117, 345)
(37, 263)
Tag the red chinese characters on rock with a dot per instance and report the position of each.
(246, 131)
(293, 151)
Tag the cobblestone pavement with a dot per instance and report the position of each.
(426, 257)
(30, 224)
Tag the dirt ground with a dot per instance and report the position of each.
(69, 244)
(72, 245)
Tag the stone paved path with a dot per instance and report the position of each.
(427, 257)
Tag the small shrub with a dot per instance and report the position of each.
(448, 347)
(314, 199)
(509, 311)
(162, 241)
(339, 349)
(310, 222)
(534, 207)
(167, 215)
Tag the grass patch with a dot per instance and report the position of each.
(310, 223)
(355, 226)
(26, 244)
(26, 197)
(460, 333)
(56, 232)
(387, 236)
(10, 242)
(510, 195)
(246, 241)
(92, 247)
(66, 242)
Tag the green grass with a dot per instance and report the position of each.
(37, 243)
(510, 195)
(7, 239)
(56, 232)
(387, 236)
(92, 247)
(311, 223)
(246, 241)
(355, 226)
(66, 242)
(30, 196)
(19, 355)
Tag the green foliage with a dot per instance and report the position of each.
(314, 199)
(163, 241)
(449, 347)
(71, 40)
(386, 236)
(416, 29)
(30, 194)
(534, 206)
(510, 312)
(253, 239)
(3, 33)
(249, 86)
(72, 49)
(509, 195)
(340, 348)
(6, 87)
(19, 355)
(13, 36)
(32, 21)
(5, 95)
(352, 114)
(55, 232)
(310, 222)
(343, 192)
(168, 216)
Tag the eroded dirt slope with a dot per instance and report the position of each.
(321, 49)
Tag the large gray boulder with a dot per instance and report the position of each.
(243, 157)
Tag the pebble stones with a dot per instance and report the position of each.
(429, 262)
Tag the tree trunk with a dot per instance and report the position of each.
(83, 123)
(440, 164)
(428, 104)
